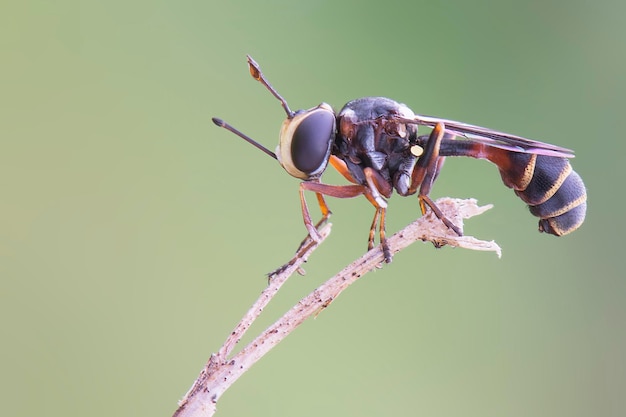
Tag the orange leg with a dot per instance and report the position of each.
(378, 185)
(425, 172)
(320, 189)
(342, 168)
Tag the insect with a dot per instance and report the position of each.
(374, 143)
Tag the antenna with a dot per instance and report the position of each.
(245, 137)
(255, 71)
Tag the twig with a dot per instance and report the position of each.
(276, 280)
(220, 372)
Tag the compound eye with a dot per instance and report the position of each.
(306, 141)
(311, 139)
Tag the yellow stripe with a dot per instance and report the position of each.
(573, 204)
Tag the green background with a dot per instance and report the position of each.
(134, 233)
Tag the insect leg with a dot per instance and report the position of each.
(320, 189)
(426, 171)
(428, 157)
(377, 186)
(324, 209)
(371, 192)
(342, 168)
(372, 233)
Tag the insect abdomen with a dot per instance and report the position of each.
(553, 191)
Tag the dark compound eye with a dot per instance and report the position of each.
(305, 142)
(311, 139)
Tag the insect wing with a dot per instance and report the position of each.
(493, 137)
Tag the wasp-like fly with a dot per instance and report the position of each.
(374, 143)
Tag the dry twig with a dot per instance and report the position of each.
(220, 372)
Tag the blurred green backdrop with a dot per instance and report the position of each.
(134, 234)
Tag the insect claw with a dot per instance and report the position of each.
(315, 235)
(387, 253)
